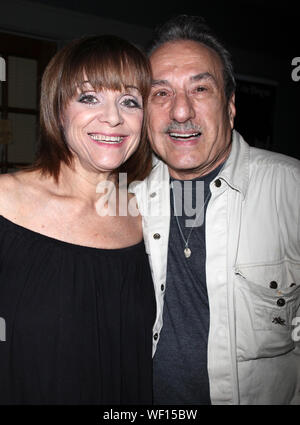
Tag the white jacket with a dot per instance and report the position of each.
(252, 239)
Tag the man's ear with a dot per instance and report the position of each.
(231, 110)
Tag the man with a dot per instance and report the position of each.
(227, 286)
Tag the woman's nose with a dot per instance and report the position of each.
(111, 114)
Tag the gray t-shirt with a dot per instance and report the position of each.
(180, 363)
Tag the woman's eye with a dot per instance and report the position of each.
(89, 99)
(131, 103)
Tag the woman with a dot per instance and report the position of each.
(75, 287)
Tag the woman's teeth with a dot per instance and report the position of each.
(107, 139)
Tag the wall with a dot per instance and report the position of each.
(58, 24)
(270, 62)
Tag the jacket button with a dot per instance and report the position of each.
(152, 195)
(156, 236)
(162, 287)
(280, 302)
(155, 336)
(218, 183)
(273, 284)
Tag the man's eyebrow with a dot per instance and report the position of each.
(160, 83)
(197, 77)
(203, 76)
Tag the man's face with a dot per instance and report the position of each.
(190, 120)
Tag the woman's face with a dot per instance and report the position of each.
(103, 128)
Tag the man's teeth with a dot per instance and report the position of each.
(184, 136)
(107, 139)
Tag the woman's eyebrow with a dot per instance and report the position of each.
(130, 87)
(86, 85)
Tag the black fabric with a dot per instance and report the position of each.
(78, 321)
(180, 373)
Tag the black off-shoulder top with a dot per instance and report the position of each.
(78, 321)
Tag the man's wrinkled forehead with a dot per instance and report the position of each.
(186, 59)
(201, 77)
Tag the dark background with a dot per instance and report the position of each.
(262, 36)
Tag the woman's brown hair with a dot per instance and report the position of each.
(107, 62)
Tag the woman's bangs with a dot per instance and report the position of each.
(111, 73)
(103, 68)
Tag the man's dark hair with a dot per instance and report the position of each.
(194, 28)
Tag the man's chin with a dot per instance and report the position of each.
(183, 172)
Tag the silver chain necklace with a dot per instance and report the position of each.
(187, 250)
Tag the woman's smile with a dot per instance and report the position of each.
(112, 139)
(103, 128)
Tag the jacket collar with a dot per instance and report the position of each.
(236, 168)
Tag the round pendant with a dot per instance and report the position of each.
(187, 252)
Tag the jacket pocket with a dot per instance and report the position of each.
(267, 299)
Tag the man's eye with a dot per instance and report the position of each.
(131, 103)
(160, 93)
(200, 89)
(88, 99)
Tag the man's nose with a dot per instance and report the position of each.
(111, 114)
(182, 108)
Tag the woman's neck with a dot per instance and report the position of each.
(86, 185)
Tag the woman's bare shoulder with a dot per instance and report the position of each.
(8, 184)
(13, 189)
